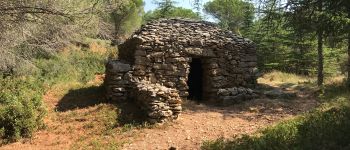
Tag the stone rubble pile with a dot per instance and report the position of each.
(236, 95)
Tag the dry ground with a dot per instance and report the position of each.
(80, 119)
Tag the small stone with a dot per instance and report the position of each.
(118, 89)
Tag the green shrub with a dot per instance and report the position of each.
(21, 109)
(71, 66)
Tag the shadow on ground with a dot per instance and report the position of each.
(261, 107)
(81, 98)
(128, 112)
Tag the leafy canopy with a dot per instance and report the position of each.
(167, 9)
(232, 14)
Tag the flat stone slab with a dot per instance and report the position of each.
(117, 66)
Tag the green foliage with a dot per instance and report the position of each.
(234, 15)
(281, 48)
(21, 108)
(35, 28)
(328, 15)
(288, 43)
(128, 18)
(165, 6)
(173, 13)
(73, 65)
(166, 9)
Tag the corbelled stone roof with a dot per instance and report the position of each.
(184, 33)
(183, 30)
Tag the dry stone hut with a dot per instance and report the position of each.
(170, 60)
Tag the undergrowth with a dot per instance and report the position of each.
(21, 106)
(326, 127)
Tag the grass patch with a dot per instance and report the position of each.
(281, 77)
(70, 66)
(98, 144)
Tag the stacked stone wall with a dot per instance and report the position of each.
(117, 81)
(158, 102)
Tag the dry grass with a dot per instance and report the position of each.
(335, 80)
(98, 48)
(278, 77)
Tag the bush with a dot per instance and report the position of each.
(21, 109)
(71, 66)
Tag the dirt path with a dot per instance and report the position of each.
(202, 123)
(194, 127)
(79, 121)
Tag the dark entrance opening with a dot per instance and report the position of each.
(195, 80)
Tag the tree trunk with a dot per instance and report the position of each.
(320, 57)
(348, 67)
(320, 47)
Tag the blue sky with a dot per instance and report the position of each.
(149, 5)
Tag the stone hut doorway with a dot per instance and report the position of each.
(195, 80)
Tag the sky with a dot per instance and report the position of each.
(149, 5)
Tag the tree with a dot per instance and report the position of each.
(233, 15)
(32, 26)
(167, 9)
(319, 33)
(127, 18)
(309, 16)
(340, 12)
(327, 18)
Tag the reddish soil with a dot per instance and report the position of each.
(201, 123)
(80, 128)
